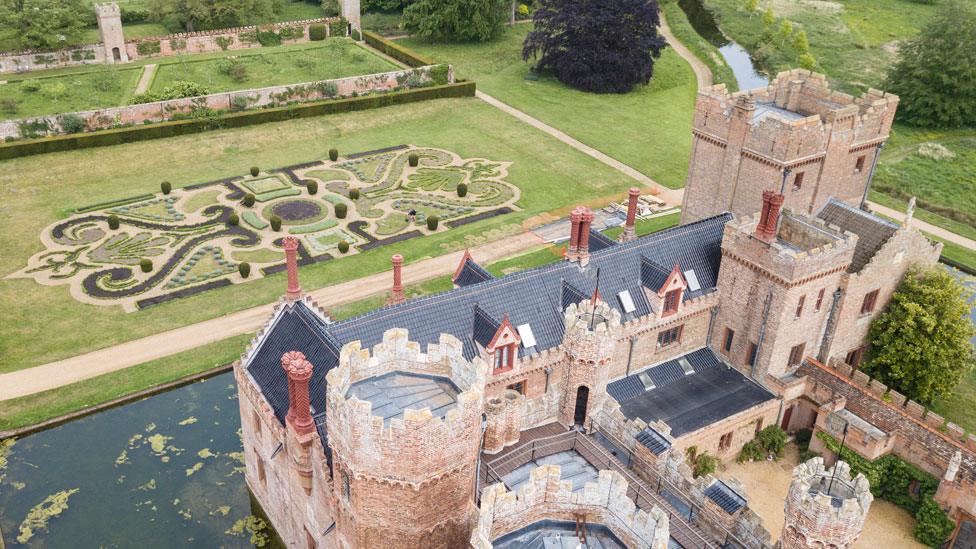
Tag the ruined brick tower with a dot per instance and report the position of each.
(592, 327)
(405, 430)
(824, 507)
(796, 135)
(110, 30)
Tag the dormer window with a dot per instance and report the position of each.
(503, 347)
(671, 300)
(505, 357)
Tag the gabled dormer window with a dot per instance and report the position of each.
(504, 347)
(671, 300)
(505, 357)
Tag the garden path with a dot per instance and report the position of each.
(146, 79)
(702, 72)
(86, 366)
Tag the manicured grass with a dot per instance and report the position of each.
(74, 92)
(854, 41)
(40, 189)
(648, 128)
(333, 58)
(709, 54)
(647, 226)
(31, 409)
(958, 407)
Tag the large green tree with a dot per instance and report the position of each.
(212, 14)
(456, 20)
(44, 24)
(921, 345)
(935, 75)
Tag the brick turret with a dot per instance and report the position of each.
(824, 507)
(590, 341)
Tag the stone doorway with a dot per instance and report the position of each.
(116, 55)
(582, 396)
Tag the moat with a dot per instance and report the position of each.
(747, 73)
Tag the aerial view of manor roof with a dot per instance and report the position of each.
(535, 274)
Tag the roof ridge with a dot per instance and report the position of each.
(867, 215)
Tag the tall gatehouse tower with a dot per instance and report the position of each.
(405, 429)
(796, 136)
(825, 507)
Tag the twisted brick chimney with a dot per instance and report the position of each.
(290, 244)
(769, 218)
(629, 227)
(574, 223)
(586, 218)
(397, 296)
(299, 371)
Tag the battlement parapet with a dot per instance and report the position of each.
(547, 497)
(108, 10)
(829, 495)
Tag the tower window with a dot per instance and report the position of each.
(870, 300)
(667, 337)
(518, 387)
(753, 349)
(799, 306)
(725, 442)
(859, 165)
(854, 357)
(729, 337)
(820, 297)
(796, 354)
(261, 475)
(798, 181)
(671, 301)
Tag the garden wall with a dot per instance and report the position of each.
(292, 32)
(161, 111)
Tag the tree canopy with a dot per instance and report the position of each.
(456, 20)
(920, 346)
(596, 46)
(44, 24)
(211, 14)
(935, 75)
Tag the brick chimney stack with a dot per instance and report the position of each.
(629, 227)
(299, 371)
(574, 223)
(397, 296)
(586, 219)
(769, 218)
(290, 244)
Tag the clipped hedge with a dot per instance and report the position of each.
(396, 51)
(16, 149)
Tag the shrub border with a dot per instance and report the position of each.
(172, 128)
(396, 51)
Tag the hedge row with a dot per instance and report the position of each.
(396, 51)
(131, 134)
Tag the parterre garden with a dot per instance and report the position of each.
(145, 250)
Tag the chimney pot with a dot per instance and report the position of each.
(769, 218)
(299, 372)
(290, 244)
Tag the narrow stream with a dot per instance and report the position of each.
(165, 471)
(703, 21)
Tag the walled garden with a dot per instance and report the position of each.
(145, 250)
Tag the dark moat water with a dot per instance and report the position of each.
(703, 21)
(165, 471)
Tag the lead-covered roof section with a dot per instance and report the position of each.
(872, 231)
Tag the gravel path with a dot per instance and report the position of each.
(146, 79)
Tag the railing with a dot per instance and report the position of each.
(664, 489)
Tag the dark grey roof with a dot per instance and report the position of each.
(653, 275)
(688, 402)
(472, 273)
(570, 295)
(872, 231)
(725, 497)
(653, 441)
(485, 327)
(599, 241)
(533, 296)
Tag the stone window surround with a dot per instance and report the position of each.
(869, 302)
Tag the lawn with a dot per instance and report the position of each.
(40, 189)
(958, 407)
(70, 93)
(333, 58)
(648, 128)
(854, 41)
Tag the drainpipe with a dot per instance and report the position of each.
(762, 334)
(711, 325)
(828, 336)
(877, 153)
(477, 471)
(630, 354)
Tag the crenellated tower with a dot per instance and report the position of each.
(824, 507)
(590, 339)
(405, 430)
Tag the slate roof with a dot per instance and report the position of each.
(472, 273)
(653, 441)
(533, 296)
(688, 402)
(654, 275)
(599, 241)
(872, 231)
(725, 497)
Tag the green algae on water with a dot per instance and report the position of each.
(255, 526)
(188, 421)
(43, 512)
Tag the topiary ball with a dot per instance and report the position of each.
(340, 210)
(249, 200)
(233, 220)
(333, 154)
(146, 265)
(343, 246)
(354, 194)
(113, 222)
(432, 222)
(275, 223)
(413, 159)
(312, 186)
(255, 171)
(462, 189)
(244, 269)
(166, 187)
